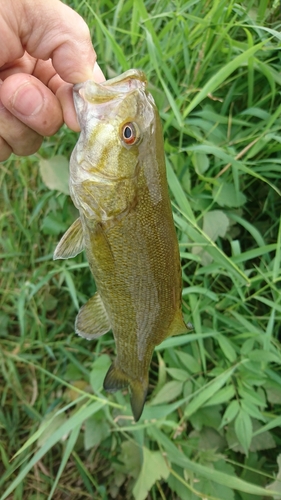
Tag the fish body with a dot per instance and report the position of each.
(118, 183)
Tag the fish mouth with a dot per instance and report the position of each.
(97, 93)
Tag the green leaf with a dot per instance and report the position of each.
(168, 393)
(68, 450)
(154, 468)
(200, 162)
(227, 348)
(215, 224)
(98, 372)
(53, 224)
(262, 441)
(244, 429)
(230, 413)
(56, 422)
(188, 361)
(96, 430)
(176, 456)
(207, 392)
(220, 76)
(222, 396)
(131, 457)
(226, 195)
(77, 418)
(178, 374)
(54, 173)
(276, 485)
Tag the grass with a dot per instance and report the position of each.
(211, 427)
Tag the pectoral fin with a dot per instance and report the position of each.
(72, 242)
(92, 320)
(116, 379)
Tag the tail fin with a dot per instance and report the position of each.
(116, 379)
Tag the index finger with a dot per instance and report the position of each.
(53, 30)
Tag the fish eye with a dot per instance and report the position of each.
(130, 133)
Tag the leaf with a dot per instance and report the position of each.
(176, 456)
(222, 396)
(276, 485)
(226, 195)
(189, 362)
(56, 422)
(100, 367)
(53, 224)
(55, 174)
(131, 457)
(72, 422)
(200, 162)
(178, 374)
(227, 348)
(66, 454)
(215, 224)
(266, 441)
(244, 429)
(230, 413)
(178, 484)
(168, 393)
(208, 439)
(96, 431)
(273, 392)
(153, 469)
(220, 76)
(206, 417)
(262, 441)
(208, 391)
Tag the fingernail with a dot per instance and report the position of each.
(27, 100)
(98, 75)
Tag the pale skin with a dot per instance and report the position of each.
(45, 48)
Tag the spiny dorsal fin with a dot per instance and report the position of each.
(117, 379)
(92, 319)
(72, 242)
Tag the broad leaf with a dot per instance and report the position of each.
(226, 195)
(244, 430)
(276, 485)
(168, 393)
(100, 367)
(154, 468)
(215, 224)
(54, 173)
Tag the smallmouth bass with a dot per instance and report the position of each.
(118, 183)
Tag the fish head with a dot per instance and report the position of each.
(116, 118)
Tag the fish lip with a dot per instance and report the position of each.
(95, 93)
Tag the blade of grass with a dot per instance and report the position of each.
(217, 79)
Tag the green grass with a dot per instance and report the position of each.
(211, 426)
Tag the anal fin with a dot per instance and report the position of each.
(72, 242)
(92, 320)
(117, 379)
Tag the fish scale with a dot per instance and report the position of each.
(118, 183)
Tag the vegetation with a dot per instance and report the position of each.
(211, 426)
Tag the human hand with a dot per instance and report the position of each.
(45, 48)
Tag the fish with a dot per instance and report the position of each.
(118, 184)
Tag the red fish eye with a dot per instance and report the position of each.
(129, 133)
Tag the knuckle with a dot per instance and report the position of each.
(5, 150)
